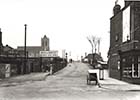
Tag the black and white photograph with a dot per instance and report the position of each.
(69, 49)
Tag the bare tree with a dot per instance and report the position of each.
(116, 2)
(94, 41)
(98, 43)
(90, 41)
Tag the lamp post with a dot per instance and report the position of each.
(24, 69)
(66, 57)
(0, 42)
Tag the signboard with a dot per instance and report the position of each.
(7, 70)
(126, 24)
(49, 53)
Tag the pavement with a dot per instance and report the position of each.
(114, 84)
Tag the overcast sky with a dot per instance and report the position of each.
(66, 22)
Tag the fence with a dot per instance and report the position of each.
(40, 64)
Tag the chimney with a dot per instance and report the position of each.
(128, 2)
(117, 8)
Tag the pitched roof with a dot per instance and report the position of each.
(33, 49)
(7, 48)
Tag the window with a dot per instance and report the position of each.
(136, 67)
(46, 43)
(127, 66)
(124, 60)
(131, 66)
(116, 37)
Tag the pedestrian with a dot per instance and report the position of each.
(99, 85)
(51, 69)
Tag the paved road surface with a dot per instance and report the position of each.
(68, 84)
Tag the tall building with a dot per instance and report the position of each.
(45, 43)
(33, 51)
(124, 51)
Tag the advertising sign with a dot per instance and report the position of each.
(7, 70)
(49, 53)
(126, 24)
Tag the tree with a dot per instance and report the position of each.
(90, 41)
(94, 41)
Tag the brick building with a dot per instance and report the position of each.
(124, 51)
(33, 51)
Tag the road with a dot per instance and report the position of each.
(67, 84)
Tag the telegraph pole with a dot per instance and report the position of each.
(1, 42)
(66, 57)
(25, 56)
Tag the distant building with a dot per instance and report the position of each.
(95, 60)
(7, 50)
(10, 60)
(13, 61)
(124, 51)
(94, 57)
(33, 51)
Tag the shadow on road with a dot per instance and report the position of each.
(133, 90)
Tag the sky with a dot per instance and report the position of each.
(67, 23)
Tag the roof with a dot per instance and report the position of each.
(33, 51)
(7, 48)
(30, 48)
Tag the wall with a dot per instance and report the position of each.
(2, 70)
(115, 42)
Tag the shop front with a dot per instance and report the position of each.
(130, 66)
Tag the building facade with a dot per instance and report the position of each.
(124, 51)
(14, 62)
(33, 51)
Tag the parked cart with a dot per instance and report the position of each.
(92, 76)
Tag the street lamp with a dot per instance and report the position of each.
(66, 57)
(24, 69)
(0, 42)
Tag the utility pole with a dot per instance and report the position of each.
(1, 42)
(25, 56)
(66, 57)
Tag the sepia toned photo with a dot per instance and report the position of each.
(69, 49)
